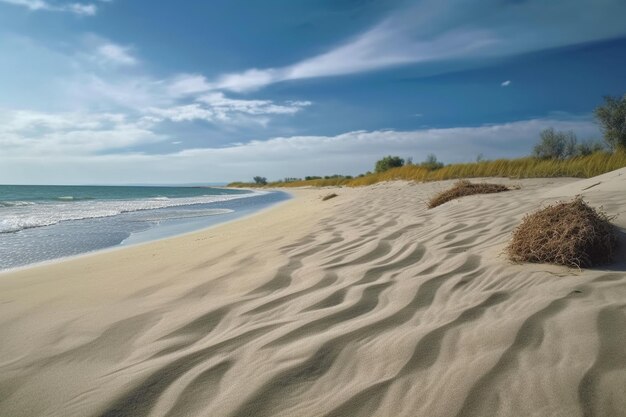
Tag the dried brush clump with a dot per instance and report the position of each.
(463, 188)
(571, 234)
(329, 196)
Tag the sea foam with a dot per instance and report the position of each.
(15, 216)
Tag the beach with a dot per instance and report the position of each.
(366, 304)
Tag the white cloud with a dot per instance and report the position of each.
(216, 107)
(187, 84)
(105, 53)
(80, 9)
(219, 102)
(506, 83)
(116, 54)
(101, 75)
(55, 157)
(184, 113)
(83, 9)
(50, 135)
(250, 79)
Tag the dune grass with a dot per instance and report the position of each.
(464, 188)
(581, 167)
(568, 233)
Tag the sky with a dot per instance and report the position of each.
(164, 92)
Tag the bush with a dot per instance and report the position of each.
(588, 147)
(431, 163)
(555, 145)
(571, 234)
(260, 180)
(388, 162)
(612, 117)
(463, 188)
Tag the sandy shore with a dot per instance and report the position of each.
(367, 304)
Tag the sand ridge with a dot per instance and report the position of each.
(367, 304)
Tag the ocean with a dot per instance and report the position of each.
(40, 223)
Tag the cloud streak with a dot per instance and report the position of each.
(455, 31)
(216, 107)
(81, 9)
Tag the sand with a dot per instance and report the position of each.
(367, 304)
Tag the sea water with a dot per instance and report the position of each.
(40, 223)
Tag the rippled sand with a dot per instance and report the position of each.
(364, 305)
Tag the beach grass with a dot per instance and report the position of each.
(528, 167)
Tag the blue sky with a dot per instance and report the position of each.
(123, 91)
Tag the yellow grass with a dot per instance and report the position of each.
(582, 167)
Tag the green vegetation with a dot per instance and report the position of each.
(260, 180)
(388, 162)
(555, 145)
(431, 163)
(612, 118)
(562, 145)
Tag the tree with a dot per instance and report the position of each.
(388, 162)
(612, 118)
(588, 147)
(555, 145)
(260, 180)
(431, 163)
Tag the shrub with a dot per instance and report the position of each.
(431, 163)
(612, 117)
(588, 147)
(555, 145)
(571, 234)
(260, 180)
(463, 188)
(388, 162)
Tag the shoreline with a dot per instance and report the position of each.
(122, 246)
(158, 232)
(361, 305)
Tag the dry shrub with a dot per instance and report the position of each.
(571, 234)
(463, 188)
(329, 196)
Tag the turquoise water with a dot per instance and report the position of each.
(39, 223)
(10, 194)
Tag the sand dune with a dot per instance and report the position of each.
(364, 305)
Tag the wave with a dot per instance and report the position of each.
(15, 219)
(16, 203)
(72, 198)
